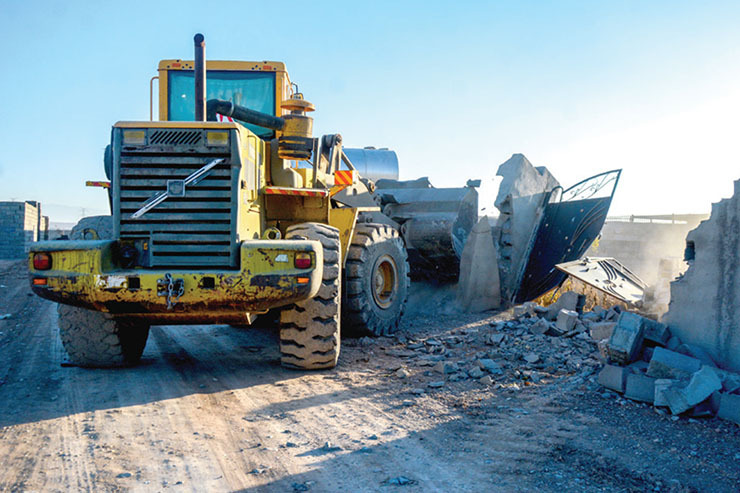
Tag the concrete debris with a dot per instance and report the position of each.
(669, 364)
(666, 378)
(601, 330)
(478, 288)
(566, 320)
(614, 378)
(705, 302)
(640, 388)
(626, 340)
(729, 407)
(570, 300)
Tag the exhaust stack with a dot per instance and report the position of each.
(200, 77)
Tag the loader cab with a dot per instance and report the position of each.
(260, 86)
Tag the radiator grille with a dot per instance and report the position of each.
(194, 231)
(175, 137)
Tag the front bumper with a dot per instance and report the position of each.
(84, 274)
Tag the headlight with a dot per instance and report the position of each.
(134, 137)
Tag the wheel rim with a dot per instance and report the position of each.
(384, 281)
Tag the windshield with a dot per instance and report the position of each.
(254, 90)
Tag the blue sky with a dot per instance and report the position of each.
(454, 88)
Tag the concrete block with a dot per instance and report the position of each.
(669, 364)
(661, 385)
(676, 400)
(602, 330)
(479, 288)
(730, 380)
(640, 388)
(673, 343)
(729, 407)
(569, 300)
(541, 326)
(566, 320)
(696, 352)
(708, 407)
(614, 377)
(656, 332)
(626, 340)
(599, 310)
(702, 384)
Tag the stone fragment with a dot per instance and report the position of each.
(673, 343)
(446, 367)
(566, 320)
(661, 385)
(603, 349)
(702, 384)
(531, 358)
(541, 326)
(640, 388)
(489, 365)
(402, 373)
(676, 400)
(495, 339)
(599, 310)
(708, 407)
(729, 408)
(475, 372)
(638, 366)
(669, 364)
(696, 352)
(569, 300)
(601, 330)
(436, 385)
(479, 288)
(656, 332)
(730, 380)
(614, 377)
(626, 340)
(487, 380)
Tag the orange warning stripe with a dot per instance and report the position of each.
(344, 177)
(302, 192)
(102, 184)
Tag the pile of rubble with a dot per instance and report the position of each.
(645, 362)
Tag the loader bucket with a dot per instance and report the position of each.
(435, 223)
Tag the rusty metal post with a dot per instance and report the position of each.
(200, 78)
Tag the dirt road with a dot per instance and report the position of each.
(210, 409)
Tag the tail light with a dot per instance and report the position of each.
(41, 261)
(302, 260)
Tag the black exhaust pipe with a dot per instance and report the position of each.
(200, 78)
(227, 108)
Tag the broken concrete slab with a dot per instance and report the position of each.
(520, 201)
(541, 326)
(602, 330)
(626, 340)
(729, 408)
(661, 385)
(707, 408)
(566, 320)
(614, 377)
(705, 303)
(478, 288)
(696, 352)
(656, 332)
(702, 384)
(669, 364)
(640, 388)
(570, 300)
(676, 400)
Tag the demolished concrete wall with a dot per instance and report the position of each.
(520, 201)
(21, 223)
(705, 302)
(478, 289)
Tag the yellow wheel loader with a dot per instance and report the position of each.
(225, 209)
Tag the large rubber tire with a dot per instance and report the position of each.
(310, 330)
(96, 339)
(93, 228)
(376, 281)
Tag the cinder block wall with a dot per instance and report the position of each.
(20, 224)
